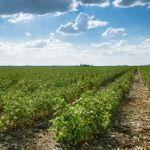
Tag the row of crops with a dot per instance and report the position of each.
(91, 114)
(145, 73)
(72, 96)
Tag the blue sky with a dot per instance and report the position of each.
(70, 32)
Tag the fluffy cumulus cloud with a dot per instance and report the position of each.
(114, 31)
(36, 6)
(18, 17)
(131, 3)
(100, 3)
(82, 23)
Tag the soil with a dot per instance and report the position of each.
(130, 129)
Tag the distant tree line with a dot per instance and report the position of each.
(85, 65)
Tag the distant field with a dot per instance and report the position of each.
(81, 100)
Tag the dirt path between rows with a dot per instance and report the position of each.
(130, 128)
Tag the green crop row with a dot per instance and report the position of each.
(145, 73)
(34, 96)
(91, 114)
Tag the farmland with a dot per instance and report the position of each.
(80, 101)
(145, 73)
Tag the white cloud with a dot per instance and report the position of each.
(114, 31)
(52, 51)
(124, 34)
(40, 43)
(123, 48)
(99, 3)
(82, 23)
(56, 14)
(37, 49)
(28, 34)
(122, 43)
(96, 23)
(131, 3)
(18, 17)
(51, 42)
